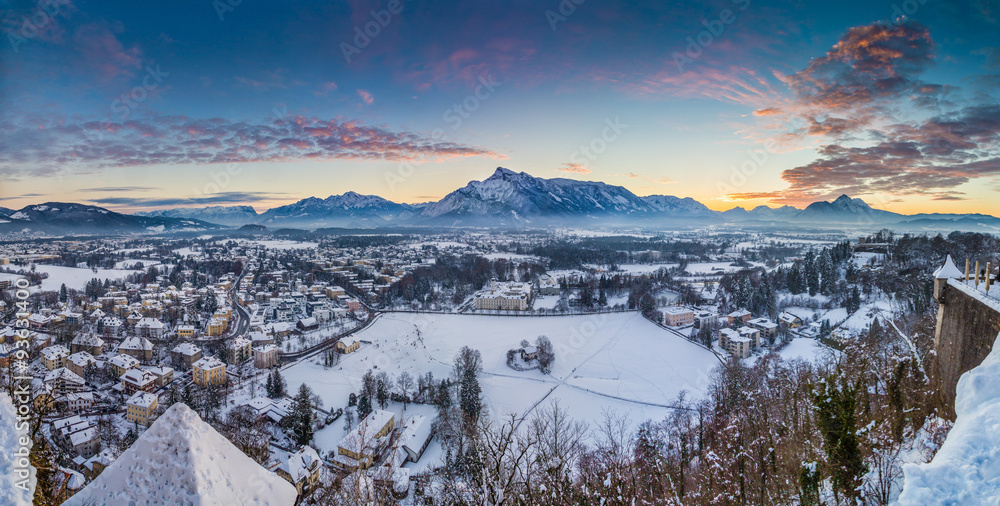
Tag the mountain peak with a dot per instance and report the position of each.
(843, 198)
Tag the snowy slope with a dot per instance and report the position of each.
(967, 468)
(9, 492)
(183, 460)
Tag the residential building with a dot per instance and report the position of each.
(739, 317)
(121, 363)
(164, 375)
(677, 316)
(141, 407)
(789, 320)
(79, 362)
(55, 357)
(208, 371)
(78, 433)
(150, 328)
(186, 354)
(138, 347)
(187, 332)
(765, 326)
(239, 350)
(265, 356)
(359, 448)
(216, 327)
(706, 319)
(89, 343)
(62, 381)
(300, 468)
(731, 341)
(138, 380)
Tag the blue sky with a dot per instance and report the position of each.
(745, 103)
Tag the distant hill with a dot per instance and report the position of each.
(70, 218)
(349, 209)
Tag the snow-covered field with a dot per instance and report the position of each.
(76, 277)
(805, 349)
(619, 362)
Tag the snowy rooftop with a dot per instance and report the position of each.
(183, 460)
(207, 363)
(948, 270)
(142, 399)
(186, 349)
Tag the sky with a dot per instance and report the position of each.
(136, 106)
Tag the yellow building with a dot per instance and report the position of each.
(208, 371)
(216, 327)
(358, 449)
(185, 331)
(54, 357)
(348, 346)
(141, 407)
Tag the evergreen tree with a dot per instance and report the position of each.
(303, 417)
(811, 272)
(364, 406)
(470, 398)
(836, 402)
(63, 294)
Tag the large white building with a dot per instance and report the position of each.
(504, 295)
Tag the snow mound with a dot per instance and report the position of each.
(183, 460)
(10, 492)
(967, 468)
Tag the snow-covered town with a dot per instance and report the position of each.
(517, 253)
(349, 363)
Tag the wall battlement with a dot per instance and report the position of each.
(968, 322)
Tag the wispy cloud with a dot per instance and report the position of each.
(49, 146)
(366, 97)
(217, 198)
(574, 168)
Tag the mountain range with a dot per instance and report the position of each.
(505, 199)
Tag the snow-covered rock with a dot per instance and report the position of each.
(15, 488)
(183, 460)
(966, 470)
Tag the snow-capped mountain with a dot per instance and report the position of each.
(347, 210)
(761, 213)
(181, 459)
(224, 215)
(845, 210)
(63, 217)
(509, 197)
(686, 206)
